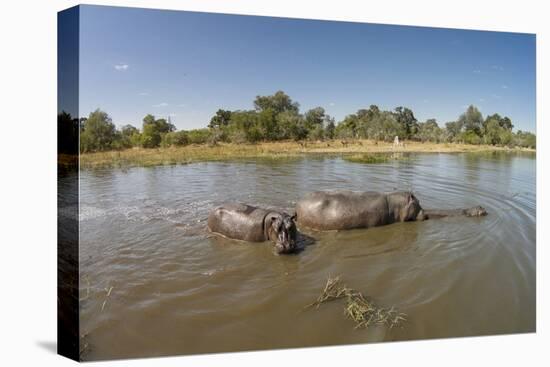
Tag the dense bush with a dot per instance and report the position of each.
(198, 136)
(525, 139)
(175, 138)
(470, 137)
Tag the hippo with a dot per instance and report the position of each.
(342, 209)
(248, 223)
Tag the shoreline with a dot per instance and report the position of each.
(141, 157)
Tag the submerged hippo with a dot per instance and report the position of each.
(249, 223)
(334, 210)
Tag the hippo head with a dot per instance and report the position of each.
(411, 209)
(283, 231)
(476, 211)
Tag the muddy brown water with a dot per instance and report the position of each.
(175, 289)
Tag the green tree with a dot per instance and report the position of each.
(317, 133)
(368, 114)
(247, 123)
(150, 138)
(220, 119)
(506, 123)
(506, 137)
(347, 128)
(405, 117)
(492, 131)
(471, 120)
(164, 126)
(503, 122)
(129, 130)
(278, 102)
(314, 117)
(389, 127)
(291, 125)
(149, 119)
(429, 131)
(330, 129)
(125, 137)
(453, 130)
(525, 139)
(98, 132)
(153, 130)
(135, 139)
(268, 124)
(368, 122)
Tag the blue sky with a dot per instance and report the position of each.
(187, 65)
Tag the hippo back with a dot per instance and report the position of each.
(239, 221)
(334, 210)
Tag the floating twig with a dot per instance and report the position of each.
(106, 297)
(109, 291)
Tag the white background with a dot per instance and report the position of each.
(28, 181)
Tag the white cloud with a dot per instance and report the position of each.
(504, 87)
(331, 104)
(482, 99)
(497, 67)
(162, 104)
(122, 67)
(143, 94)
(172, 114)
(425, 100)
(495, 96)
(477, 71)
(182, 105)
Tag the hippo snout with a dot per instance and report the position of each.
(287, 247)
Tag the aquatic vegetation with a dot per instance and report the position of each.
(358, 308)
(367, 158)
(370, 158)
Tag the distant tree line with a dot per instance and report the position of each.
(277, 117)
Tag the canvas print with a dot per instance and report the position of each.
(233, 183)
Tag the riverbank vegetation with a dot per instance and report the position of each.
(277, 119)
(356, 150)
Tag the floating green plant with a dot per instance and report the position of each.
(374, 158)
(367, 158)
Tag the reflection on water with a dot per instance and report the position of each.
(178, 290)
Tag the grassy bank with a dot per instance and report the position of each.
(220, 152)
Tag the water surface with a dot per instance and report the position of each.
(175, 289)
